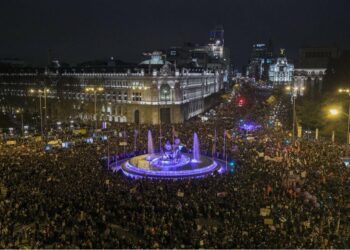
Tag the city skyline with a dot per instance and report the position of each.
(85, 30)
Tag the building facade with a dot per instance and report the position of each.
(165, 95)
(281, 72)
(312, 66)
(260, 60)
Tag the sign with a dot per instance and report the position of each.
(12, 142)
(261, 154)
(38, 139)
(180, 194)
(265, 212)
(283, 220)
(54, 142)
(124, 143)
(300, 130)
(268, 221)
(221, 194)
(306, 224)
(83, 131)
(79, 131)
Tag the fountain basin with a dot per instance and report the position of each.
(142, 167)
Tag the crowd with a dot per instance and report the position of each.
(280, 195)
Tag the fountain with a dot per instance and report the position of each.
(171, 163)
(150, 148)
(196, 151)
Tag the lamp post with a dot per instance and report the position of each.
(335, 112)
(45, 91)
(39, 91)
(347, 91)
(20, 111)
(294, 92)
(94, 90)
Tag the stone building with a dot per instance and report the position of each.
(163, 94)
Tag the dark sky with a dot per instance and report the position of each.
(77, 30)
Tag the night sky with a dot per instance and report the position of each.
(77, 30)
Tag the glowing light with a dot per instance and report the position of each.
(250, 126)
(333, 111)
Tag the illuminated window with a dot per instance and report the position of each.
(136, 96)
(165, 92)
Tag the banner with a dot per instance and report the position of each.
(180, 194)
(55, 142)
(299, 131)
(265, 212)
(82, 131)
(268, 221)
(79, 131)
(11, 142)
(221, 194)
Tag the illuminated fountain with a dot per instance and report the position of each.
(171, 163)
(196, 151)
(150, 148)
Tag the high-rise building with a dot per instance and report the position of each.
(260, 60)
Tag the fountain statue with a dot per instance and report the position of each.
(196, 152)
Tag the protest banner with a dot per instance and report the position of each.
(12, 142)
(180, 194)
(265, 212)
(268, 221)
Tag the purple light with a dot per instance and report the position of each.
(161, 173)
(250, 126)
(135, 172)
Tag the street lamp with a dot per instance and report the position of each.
(347, 91)
(94, 90)
(20, 111)
(334, 111)
(40, 92)
(294, 91)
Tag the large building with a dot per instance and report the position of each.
(311, 67)
(212, 55)
(281, 72)
(153, 93)
(260, 60)
(169, 86)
